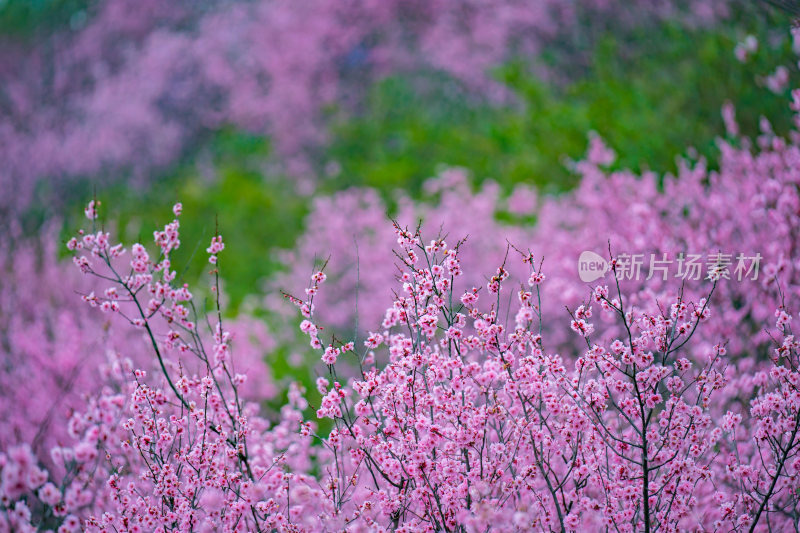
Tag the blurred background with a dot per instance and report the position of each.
(255, 113)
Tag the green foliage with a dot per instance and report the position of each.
(21, 18)
(650, 97)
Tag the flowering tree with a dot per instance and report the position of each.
(761, 469)
(476, 425)
(68, 376)
(454, 417)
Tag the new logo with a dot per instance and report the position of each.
(592, 266)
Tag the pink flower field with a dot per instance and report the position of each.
(470, 355)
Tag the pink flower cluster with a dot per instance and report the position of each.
(68, 377)
(457, 419)
(53, 352)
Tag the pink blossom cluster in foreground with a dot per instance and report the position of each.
(455, 419)
(513, 397)
(142, 80)
(58, 358)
